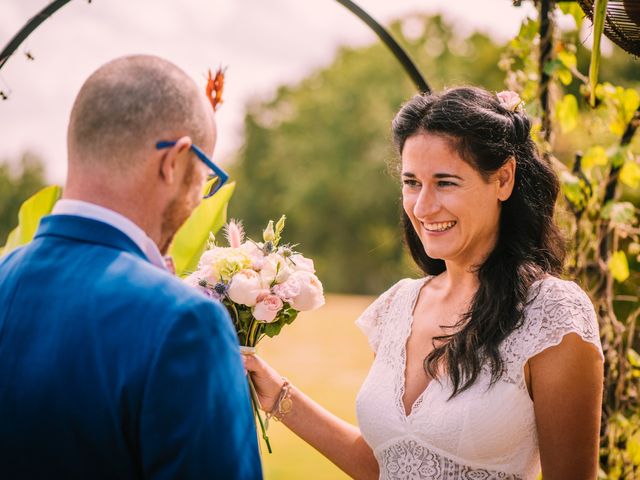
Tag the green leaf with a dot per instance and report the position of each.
(564, 76)
(191, 240)
(595, 156)
(619, 266)
(599, 14)
(560, 69)
(620, 155)
(574, 189)
(633, 448)
(568, 59)
(31, 211)
(273, 329)
(551, 66)
(634, 358)
(619, 212)
(567, 113)
(630, 103)
(630, 174)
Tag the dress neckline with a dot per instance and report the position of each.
(403, 354)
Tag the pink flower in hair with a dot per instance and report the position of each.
(510, 100)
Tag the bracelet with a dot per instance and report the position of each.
(283, 404)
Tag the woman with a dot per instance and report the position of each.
(490, 366)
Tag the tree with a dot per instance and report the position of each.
(16, 185)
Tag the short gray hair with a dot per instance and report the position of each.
(126, 104)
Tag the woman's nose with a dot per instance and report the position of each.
(427, 203)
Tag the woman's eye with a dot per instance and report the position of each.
(444, 183)
(410, 183)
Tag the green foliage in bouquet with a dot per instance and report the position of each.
(596, 153)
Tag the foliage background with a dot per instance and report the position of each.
(320, 152)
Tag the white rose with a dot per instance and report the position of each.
(245, 287)
(274, 269)
(311, 295)
(299, 262)
(255, 254)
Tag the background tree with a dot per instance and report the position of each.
(18, 181)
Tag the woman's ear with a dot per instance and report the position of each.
(505, 177)
(171, 159)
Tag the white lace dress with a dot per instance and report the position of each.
(482, 433)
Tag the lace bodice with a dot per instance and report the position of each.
(486, 432)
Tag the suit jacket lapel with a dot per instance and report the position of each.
(89, 231)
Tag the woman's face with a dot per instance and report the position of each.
(454, 211)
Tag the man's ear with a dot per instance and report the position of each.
(505, 177)
(171, 158)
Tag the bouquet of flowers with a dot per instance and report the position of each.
(263, 285)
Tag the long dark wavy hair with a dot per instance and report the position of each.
(529, 245)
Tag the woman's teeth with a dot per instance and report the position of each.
(439, 227)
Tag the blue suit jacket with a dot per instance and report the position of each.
(112, 368)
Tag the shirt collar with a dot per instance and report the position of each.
(96, 212)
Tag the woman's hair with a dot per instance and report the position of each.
(485, 135)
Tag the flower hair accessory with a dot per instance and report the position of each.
(511, 101)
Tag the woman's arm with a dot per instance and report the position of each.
(339, 441)
(566, 384)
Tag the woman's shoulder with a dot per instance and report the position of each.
(553, 298)
(555, 308)
(372, 320)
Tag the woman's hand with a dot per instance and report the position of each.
(267, 381)
(336, 439)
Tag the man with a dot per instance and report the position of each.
(110, 367)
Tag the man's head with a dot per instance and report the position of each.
(121, 112)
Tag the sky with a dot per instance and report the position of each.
(264, 43)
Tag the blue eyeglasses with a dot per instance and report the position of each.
(216, 180)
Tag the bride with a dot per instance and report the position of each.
(490, 366)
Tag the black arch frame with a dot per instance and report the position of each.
(398, 52)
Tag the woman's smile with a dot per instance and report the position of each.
(438, 227)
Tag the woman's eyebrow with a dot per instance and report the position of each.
(447, 175)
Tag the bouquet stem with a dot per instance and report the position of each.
(256, 408)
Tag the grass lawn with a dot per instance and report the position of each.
(325, 355)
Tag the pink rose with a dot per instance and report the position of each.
(302, 263)
(287, 290)
(311, 294)
(267, 308)
(510, 100)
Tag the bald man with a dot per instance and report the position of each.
(110, 367)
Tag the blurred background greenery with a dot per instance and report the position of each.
(320, 152)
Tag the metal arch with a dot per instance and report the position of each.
(30, 26)
(379, 30)
(391, 44)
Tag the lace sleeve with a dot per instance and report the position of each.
(372, 319)
(557, 308)
(561, 307)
